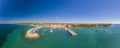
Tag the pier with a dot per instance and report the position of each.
(32, 30)
(71, 32)
(31, 34)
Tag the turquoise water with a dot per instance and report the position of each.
(60, 38)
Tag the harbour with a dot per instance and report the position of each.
(83, 39)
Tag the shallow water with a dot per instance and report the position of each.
(60, 38)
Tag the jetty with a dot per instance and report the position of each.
(31, 34)
(71, 32)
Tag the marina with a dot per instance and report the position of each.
(83, 39)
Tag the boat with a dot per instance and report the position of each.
(105, 30)
(66, 28)
(51, 30)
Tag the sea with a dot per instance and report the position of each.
(12, 36)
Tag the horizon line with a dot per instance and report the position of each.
(68, 22)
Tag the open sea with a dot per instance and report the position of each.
(12, 36)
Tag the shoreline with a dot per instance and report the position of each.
(66, 25)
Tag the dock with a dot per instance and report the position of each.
(71, 32)
(33, 30)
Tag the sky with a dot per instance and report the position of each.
(60, 11)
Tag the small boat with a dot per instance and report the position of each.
(90, 30)
(105, 30)
(97, 30)
(66, 28)
(51, 30)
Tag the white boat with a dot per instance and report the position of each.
(105, 30)
(51, 30)
(66, 28)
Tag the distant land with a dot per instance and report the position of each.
(68, 25)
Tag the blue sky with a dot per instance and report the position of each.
(61, 11)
